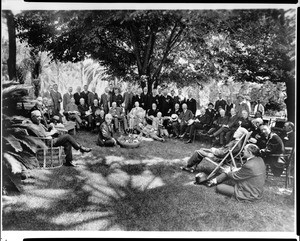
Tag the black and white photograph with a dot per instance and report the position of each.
(148, 120)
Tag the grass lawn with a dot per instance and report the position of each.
(139, 189)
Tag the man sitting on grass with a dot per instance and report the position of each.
(249, 179)
(64, 140)
(106, 133)
(215, 154)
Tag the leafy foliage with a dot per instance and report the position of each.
(18, 147)
(171, 45)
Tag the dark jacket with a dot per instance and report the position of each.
(118, 99)
(185, 117)
(91, 97)
(233, 122)
(106, 133)
(250, 180)
(211, 113)
(165, 107)
(104, 101)
(137, 98)
(221, 121)
(145, 98)
(77, 97)
(246, 123)
(82, 109)
(192, 105)
(220, 103)
(127, 98)
(85, 96)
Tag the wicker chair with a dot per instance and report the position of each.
(50, 157)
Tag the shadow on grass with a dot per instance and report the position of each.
(110, 192)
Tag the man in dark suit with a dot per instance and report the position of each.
(289, 134)
(127, 98)
(67, 98)
(117, 97)
(106, 134)
(191, 103)
(92, 96)
(77, 95)
(249, 179)
(85, 113)
(105, 100)
(173, 99)
(85, 94)
(183, 119)
(274, 145)
(227, 130)
(201, 122)
(56, 99)
(47, 94)
(65, 140)
(220, 122)
(220, 102)
(165, 107)
(211, 112)
(137, 97)
(154, 97)
(160, 98)
(145, 98)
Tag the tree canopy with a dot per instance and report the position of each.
(171, 45)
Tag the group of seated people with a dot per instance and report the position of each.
(264, 147)
(166, 117)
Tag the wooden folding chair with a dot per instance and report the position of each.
(289, 158)
(230, 156)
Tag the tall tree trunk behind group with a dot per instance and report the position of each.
(11, 62)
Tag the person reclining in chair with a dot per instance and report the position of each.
(64, 140)
(215, 154)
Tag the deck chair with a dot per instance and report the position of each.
(230, 157)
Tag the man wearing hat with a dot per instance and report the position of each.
(241, 105)
(65, 140)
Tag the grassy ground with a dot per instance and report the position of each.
(139, 189)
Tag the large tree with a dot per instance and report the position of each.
(175, 45)
(11, 61)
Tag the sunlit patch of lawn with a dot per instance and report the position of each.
(140, 189)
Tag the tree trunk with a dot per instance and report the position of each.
(11, 62)
(290, 100)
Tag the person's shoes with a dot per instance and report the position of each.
(187, 169)
(188, 141)
(69, 164)
(210, 183)
(176, 137)
(84, 149)
(181, 136)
